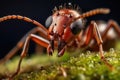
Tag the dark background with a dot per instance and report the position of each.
(11, 31)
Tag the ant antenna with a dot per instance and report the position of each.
(94, 12)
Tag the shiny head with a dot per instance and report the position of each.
(61, 30)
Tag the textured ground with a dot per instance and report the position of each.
(81, 66)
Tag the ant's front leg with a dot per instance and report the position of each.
(39, 40)
(93, 33)
(20, 44)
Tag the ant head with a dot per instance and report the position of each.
(62, 23)
(63, 17)
(62, 28)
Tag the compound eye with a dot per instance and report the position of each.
(48, 21)
(76, 26)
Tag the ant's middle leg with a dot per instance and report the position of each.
(111, 24)
(107, 36)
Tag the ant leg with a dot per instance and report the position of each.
(111, 24)
(93, 32)
(20, 44)
(41, 28)
(39, 40)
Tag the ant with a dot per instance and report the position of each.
(64, 28)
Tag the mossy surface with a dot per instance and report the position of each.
(82, 66)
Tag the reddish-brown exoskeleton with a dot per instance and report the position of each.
(66, 28)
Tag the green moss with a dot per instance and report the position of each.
(82, 66)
